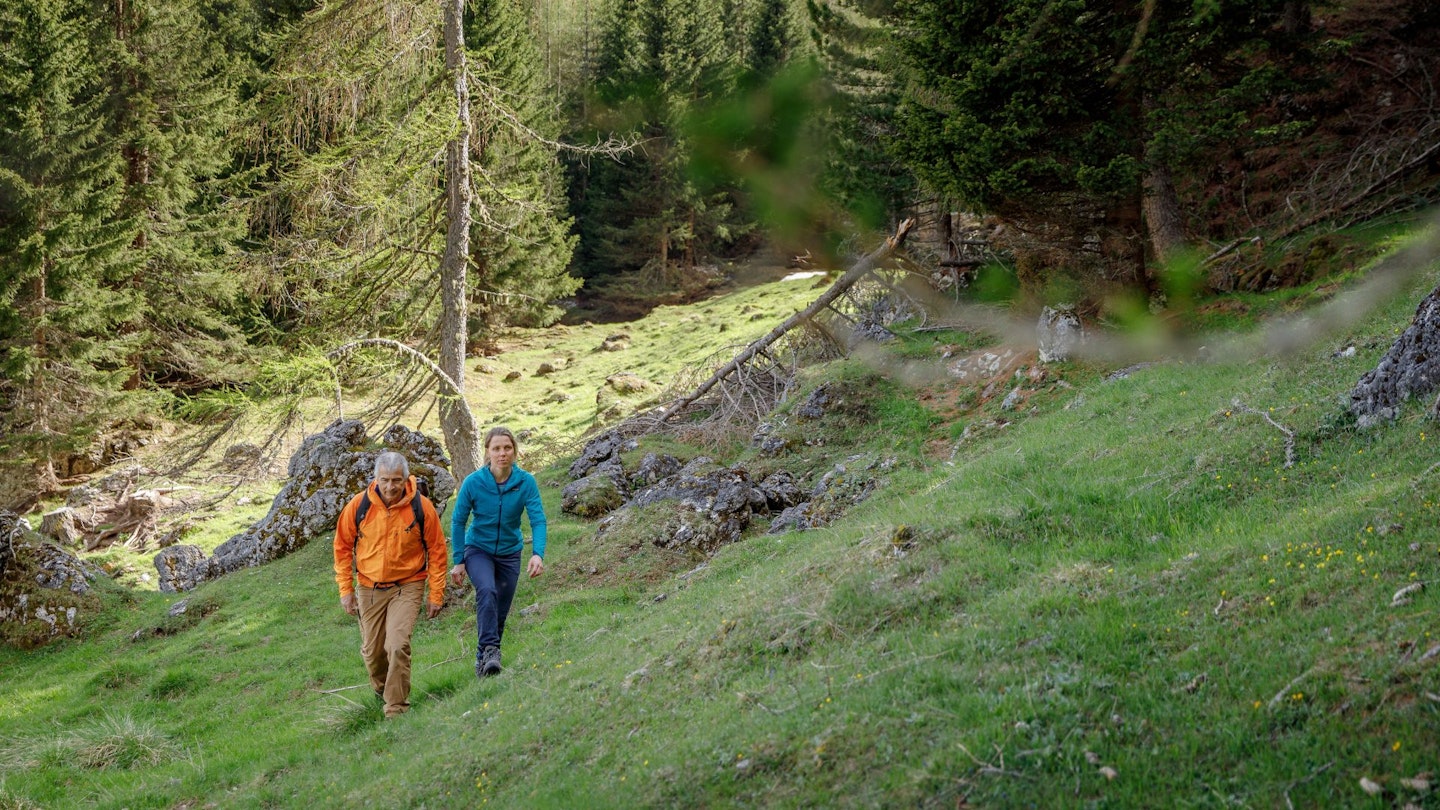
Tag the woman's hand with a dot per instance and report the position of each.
(536, 567)
(457, 575)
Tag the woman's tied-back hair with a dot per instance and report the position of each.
(391, 460)
(501, 431)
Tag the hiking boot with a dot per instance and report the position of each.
(490, 661)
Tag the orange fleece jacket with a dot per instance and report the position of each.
(389, 549)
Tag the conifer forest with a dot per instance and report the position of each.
(197, 196)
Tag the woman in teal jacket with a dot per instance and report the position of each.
(488, 551)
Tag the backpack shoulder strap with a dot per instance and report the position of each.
(362, 510)
(417, 506)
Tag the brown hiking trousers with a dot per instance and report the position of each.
(387, 617)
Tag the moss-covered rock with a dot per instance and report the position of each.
(45, 590)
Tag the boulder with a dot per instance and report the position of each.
(817, 403)
(710, 507)
(617, 342)
(1411, 368)
(768, 440)
(598, 450)
(1059, 334)
(847, 484)
(626, 383)
(44, 589)
(329, 468)
(591, 496)
(654, 468)
(621, 390)
(181, 568)
(782, 491)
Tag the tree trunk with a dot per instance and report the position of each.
(945, 230)
(460, 437)
(1124, 249)
(46, 482)
(1163, 219)
(856, 272)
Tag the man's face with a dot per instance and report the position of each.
(391, 484)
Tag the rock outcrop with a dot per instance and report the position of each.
(1411, 368)
(45, 591)
(702, 505)
(1059, 334)
(327, 470)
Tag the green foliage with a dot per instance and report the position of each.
(170, 106)
(355, 119)
(657, 62)
(1056, 112)
(521, 244)
(64, 301)
(116, 232)
(852, 44)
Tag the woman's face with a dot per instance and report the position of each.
(501, 451)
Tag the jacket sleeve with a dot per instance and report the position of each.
(345, 547)
(535, 511)
(458, 518)
(435, 543)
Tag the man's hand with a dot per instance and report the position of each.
(536, 567)
(432, 610)
(457, 575)
(349, 604)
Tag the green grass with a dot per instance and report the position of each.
(1122, 597)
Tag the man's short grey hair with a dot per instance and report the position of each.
(390, 461)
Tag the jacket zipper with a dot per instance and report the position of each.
(499, 514)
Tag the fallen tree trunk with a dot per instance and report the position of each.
(858, 271)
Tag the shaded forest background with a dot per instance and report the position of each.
(199, 197)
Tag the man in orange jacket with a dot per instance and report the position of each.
(382, 540)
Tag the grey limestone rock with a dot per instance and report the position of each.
(591, 496)
(1411, 368)
(44, 589)
(599, 449)
(654, 468)
(329, 468)
(816, 404)
(1059, 334)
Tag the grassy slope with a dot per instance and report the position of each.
(1125, 578)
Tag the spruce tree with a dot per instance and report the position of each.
(854, 49)
(63, 295)
(1058, 111)
(354, 120)
(659, 62)
(169, 106)
(521, 245)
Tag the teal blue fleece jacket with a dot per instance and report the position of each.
(493, 513)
